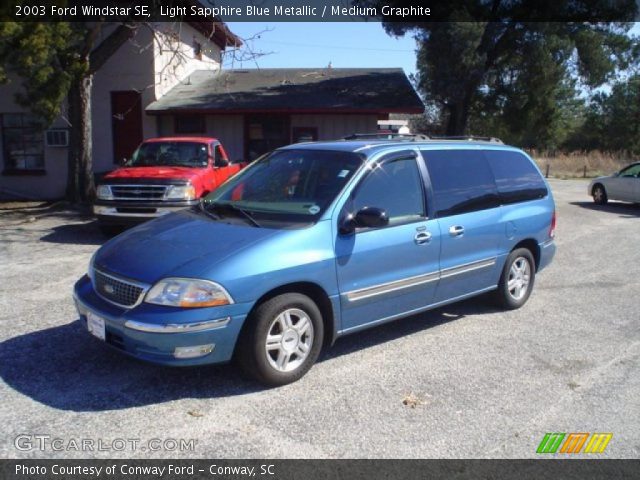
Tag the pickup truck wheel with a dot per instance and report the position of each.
(516, 281)
(282, 340)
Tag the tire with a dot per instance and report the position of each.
(599, 195)
(517, 279)
(295, 324)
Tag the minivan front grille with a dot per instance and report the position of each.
(116, 290)
(138, 192)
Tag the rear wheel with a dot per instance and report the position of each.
(516, 281)
(282, 340)
(599, 195)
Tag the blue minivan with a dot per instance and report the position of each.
(319, 240)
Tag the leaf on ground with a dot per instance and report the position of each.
(412, 400)
(195, 413)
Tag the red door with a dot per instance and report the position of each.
(126, 123)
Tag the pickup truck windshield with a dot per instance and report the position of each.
(292, 185)
(175, 154)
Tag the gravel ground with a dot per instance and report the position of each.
(462, 381)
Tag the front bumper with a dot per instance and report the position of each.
(152, 332)
(131, 212)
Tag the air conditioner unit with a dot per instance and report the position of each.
(57, 137)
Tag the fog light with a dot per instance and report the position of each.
(193, 352)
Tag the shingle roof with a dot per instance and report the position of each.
(381, 90)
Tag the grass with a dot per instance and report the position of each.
(581, 164)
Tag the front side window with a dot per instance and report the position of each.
(170, 154)
(516, 177)
(462, 181)
(289, 185)
(396, 187)
(22, 141)
(632, 171)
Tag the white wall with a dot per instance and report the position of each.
(50, 185)
(130, 68)
(174, 55)
(229, 129)
(150, 63)
(333, 127)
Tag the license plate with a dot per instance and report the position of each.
(95, 325)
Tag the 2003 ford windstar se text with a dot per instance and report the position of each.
(318, 240)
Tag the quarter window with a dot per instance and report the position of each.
(22, 141)
(462, 181)
(516, 177)
(396, 187)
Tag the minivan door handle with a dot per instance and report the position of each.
(422, 237)
(456, 230)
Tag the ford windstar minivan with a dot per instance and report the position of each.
(319, 240)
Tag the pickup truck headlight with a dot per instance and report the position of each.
(188, 292)
(180, 192)
(103, 192)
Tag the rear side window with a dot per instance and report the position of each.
(516, 177)
(462, 181)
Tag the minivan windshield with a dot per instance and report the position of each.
(174, 154)
(288, 185)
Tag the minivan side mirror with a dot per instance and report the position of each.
(367, 217)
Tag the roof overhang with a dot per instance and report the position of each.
(288, 91)
(291, 111)
(218, 32)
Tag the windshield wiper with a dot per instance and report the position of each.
(209, 213)
(235, 208)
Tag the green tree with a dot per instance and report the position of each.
(57, 61)
(512, 75)
(613, 120)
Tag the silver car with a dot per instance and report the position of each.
(623, 185)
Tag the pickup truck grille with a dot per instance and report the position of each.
(116, 290)
(138, 192)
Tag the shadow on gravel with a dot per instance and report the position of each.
(406, 326)
(64, 368)
(624, 210)
(76, 233)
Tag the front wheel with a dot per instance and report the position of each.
(516, 281)
(599, 195)
(282, 340)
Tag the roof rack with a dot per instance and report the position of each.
(468, 138)
(420, 137)
(386, 136)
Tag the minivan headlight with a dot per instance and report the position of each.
(188, 292)
(181, 192)
(103, 192)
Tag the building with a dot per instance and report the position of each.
(170, 82)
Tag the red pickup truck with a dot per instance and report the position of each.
(163, 175)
